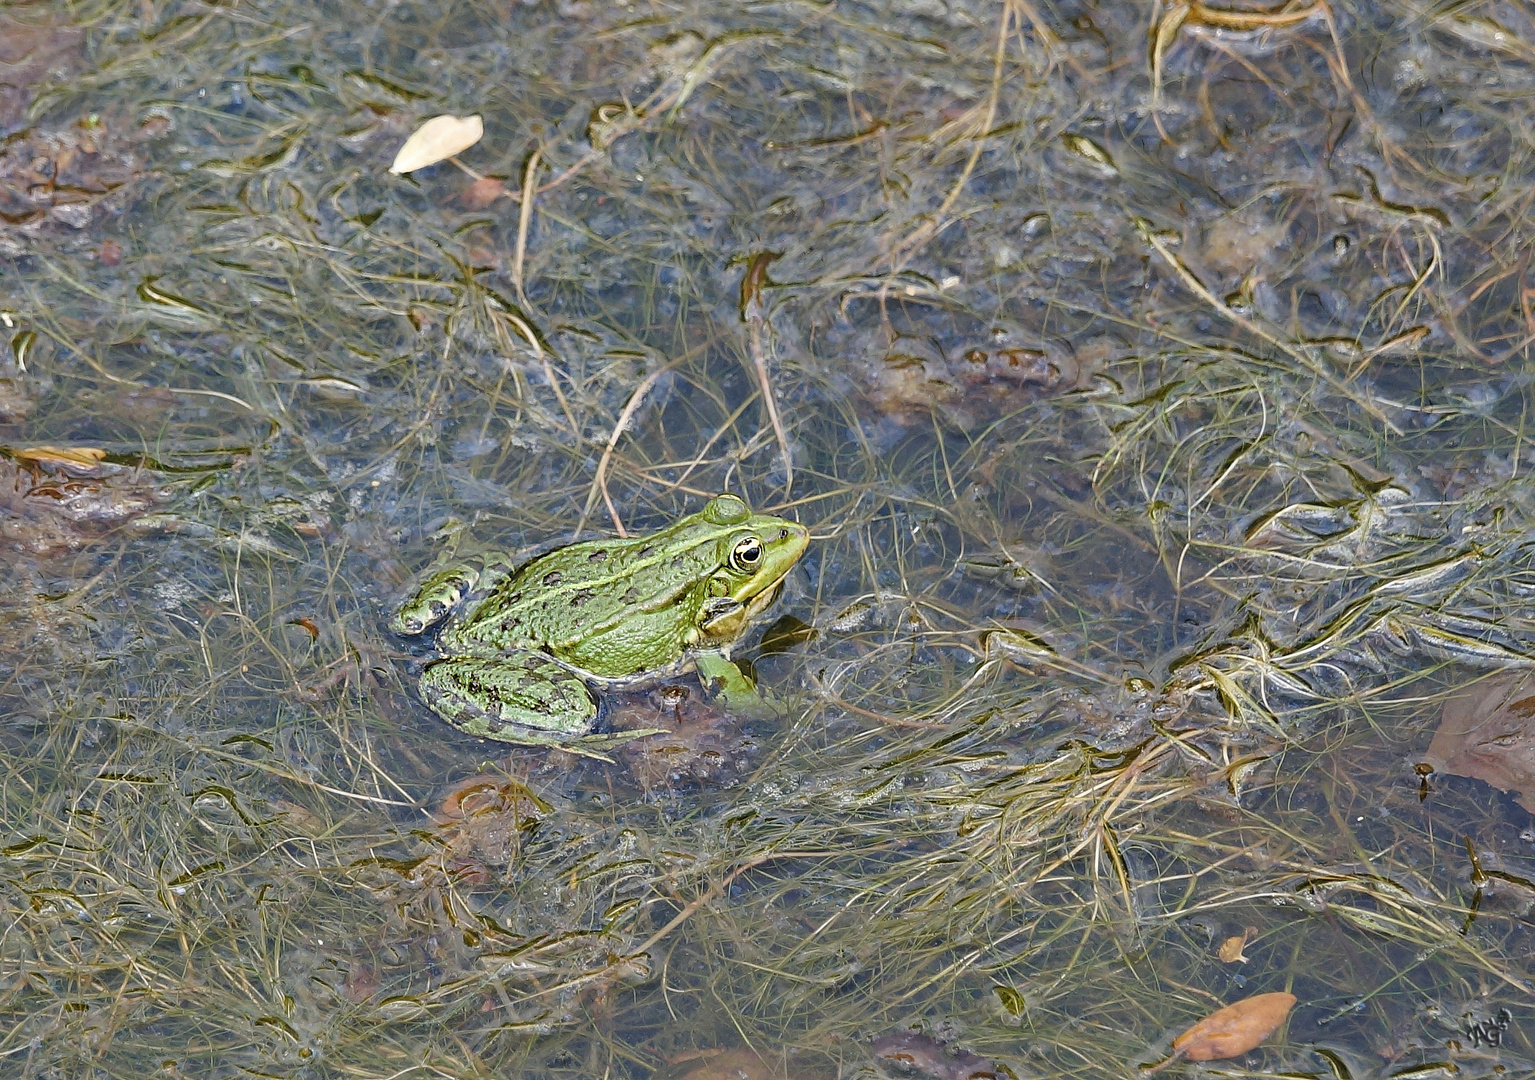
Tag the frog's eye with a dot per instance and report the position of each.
(746, 556)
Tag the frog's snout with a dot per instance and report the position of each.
(795, 538)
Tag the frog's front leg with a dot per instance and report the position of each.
(730, 685)
(522, 697)
(439, 594)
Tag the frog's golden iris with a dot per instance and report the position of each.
(519, 663)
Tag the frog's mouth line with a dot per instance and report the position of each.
(769, 594)
(767, 597)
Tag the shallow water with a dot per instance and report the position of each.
(1153, 382)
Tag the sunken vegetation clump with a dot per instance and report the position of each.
(1153, 381)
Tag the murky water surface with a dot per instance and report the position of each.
(1154, 381)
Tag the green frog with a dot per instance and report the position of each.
(522, 659)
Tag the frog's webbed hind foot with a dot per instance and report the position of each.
(523, 697)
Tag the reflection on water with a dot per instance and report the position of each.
(1153, 383)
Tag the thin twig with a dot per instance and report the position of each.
(600, 481)
(524, 218)
(751, 311)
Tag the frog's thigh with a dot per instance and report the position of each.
(522, 697)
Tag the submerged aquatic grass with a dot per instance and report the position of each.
(1154, 388)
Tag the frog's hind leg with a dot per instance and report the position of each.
(521, 697)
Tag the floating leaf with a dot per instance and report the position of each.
(914, 1053)
(395, 1009)
(483, 192)
(1085, 148)
(1487, 732)
(737, 1064)
(1236, 1029)
(307, 624)
(333, 388)
(437, 140)
(61, 455)
(1011, 999)
(1232, 949)
(784, 634)
(74, 458)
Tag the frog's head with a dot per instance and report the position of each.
(754, 554)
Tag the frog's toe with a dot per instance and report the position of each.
(418, 618)
(525, 697)
(431, 603)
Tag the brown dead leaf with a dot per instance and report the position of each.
(483, 192)
(307, 624)
(1236, 1029)
(700, 744)
(51, 505)
(482, 796)
(15, 400)
(1487, 732)
(1231, 950)
(918, 1055)
(30, 54)
(738, 1064)
(979, 378)
(56, 180)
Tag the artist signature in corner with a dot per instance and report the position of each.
(1488, 1031)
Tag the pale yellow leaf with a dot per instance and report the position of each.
(80, 456)
(437, 140)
